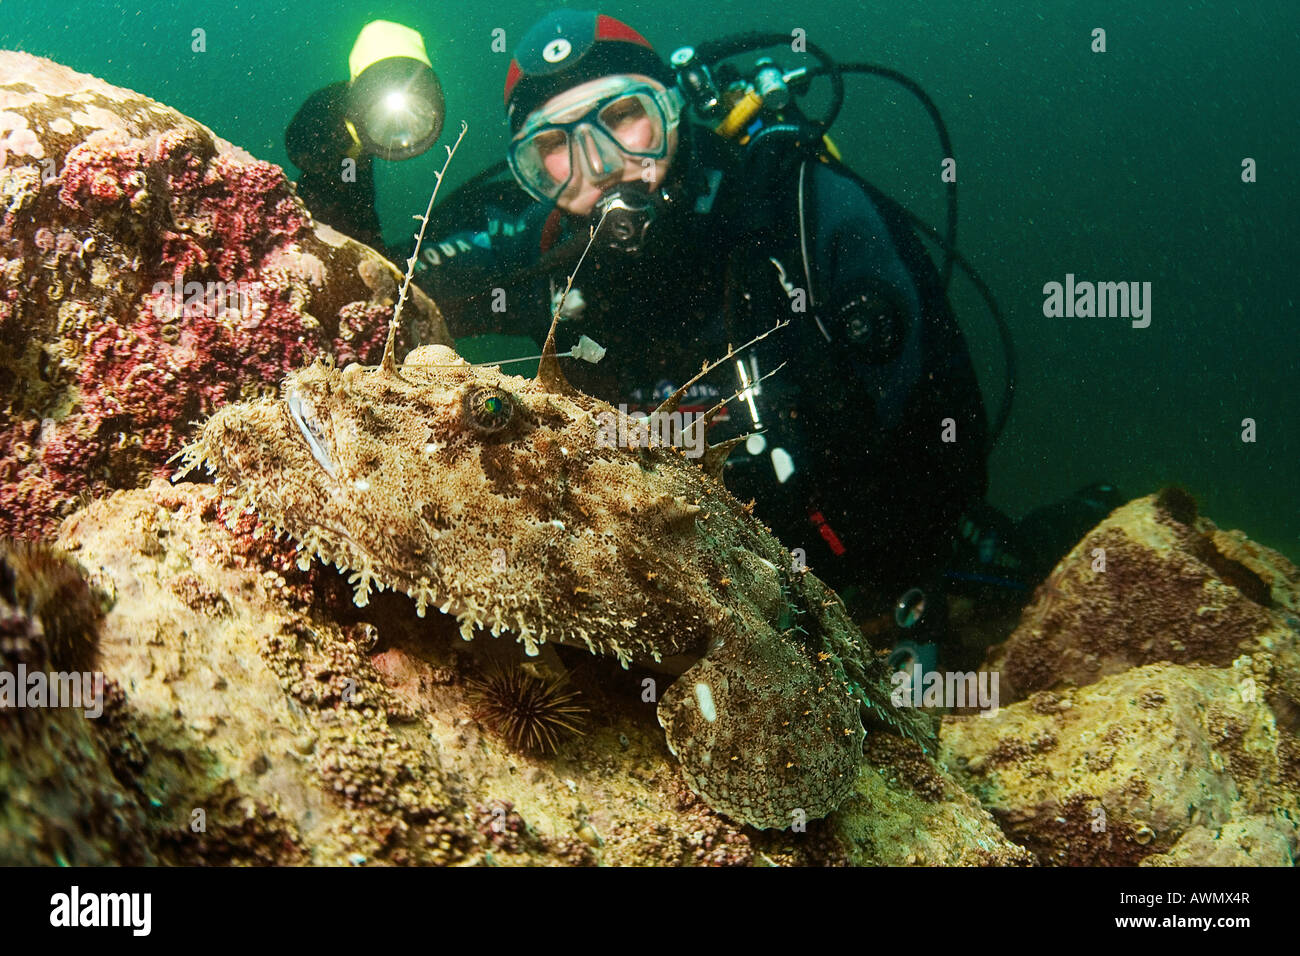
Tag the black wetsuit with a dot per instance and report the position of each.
(877, 408)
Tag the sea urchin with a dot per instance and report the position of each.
(531, 712)
(39, 582)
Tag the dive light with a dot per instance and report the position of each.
(395, 105)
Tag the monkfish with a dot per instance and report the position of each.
(498, 499)
(501, 500)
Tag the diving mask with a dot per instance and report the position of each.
(612, 120)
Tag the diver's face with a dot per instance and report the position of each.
(589, 164)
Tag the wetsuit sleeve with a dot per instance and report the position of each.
(475, 268)
(337, 182)
(895, 422)
(471, 257)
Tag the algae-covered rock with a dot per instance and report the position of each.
(254, 729)
(908, 812)
(149, 272)
(1135, 764)
(1156, 582)
(1156, 688)
(265, 719)
(1258, 840)
(59, 800)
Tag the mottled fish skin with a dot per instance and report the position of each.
(804, 744)
(491, 497)
(531, 527)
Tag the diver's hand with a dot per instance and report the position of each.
(337, 182)
(317, 139)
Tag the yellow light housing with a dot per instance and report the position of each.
(395, 102)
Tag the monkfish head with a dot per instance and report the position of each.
(489, 496)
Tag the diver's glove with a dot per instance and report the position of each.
(318, 139)
(338, 180)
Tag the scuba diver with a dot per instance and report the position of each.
(720, 210)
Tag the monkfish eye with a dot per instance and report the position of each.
(487, 410)
(304, 416)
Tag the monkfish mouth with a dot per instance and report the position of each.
(235, 447)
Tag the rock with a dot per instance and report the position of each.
(1174, 588)
(265, 719)
(150, 272)
(288, 757)
(1134, 765)
(49, 616)
(908, 812)
(1257, 840)
(1156, 687)
(60, 802)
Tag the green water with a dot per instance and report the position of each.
(1115, 166)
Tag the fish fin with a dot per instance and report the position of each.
(715, 456)
(704, 421)
(389, 362)
(671, 403)
(549, 375)
(765, 735)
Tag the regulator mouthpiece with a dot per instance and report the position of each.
(626, 215)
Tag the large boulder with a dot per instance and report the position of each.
(150, 271)
(1150, 765)
(1154, 700)
(1156, 581)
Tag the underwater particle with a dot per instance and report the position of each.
(48, 586)
(532, 713)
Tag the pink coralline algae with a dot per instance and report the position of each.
(150, 272)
